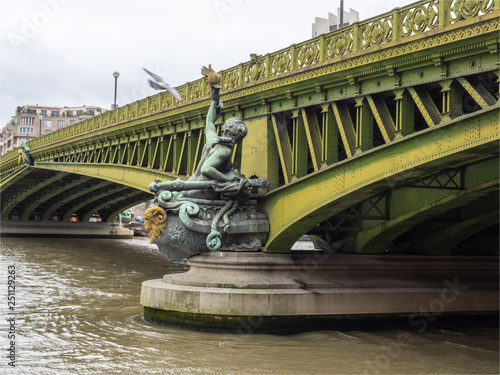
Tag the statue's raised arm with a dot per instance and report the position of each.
(216, 106)
(213, 201)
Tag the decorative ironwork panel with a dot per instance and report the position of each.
(230, 78)
(420, 18)
(196, 90)
(281, 62)
(308, 54)
(465, 9)
(340, 44)
(377, 32)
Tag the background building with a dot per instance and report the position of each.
(325, 25)
(31, 121)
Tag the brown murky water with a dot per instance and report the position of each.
(77, 311)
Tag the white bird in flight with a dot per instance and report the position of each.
(160, 85)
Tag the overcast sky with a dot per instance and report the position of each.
(64, 52)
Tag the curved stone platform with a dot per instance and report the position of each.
(259, 292)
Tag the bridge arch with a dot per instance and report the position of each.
(300, 206)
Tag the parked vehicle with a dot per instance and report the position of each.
(95, 219)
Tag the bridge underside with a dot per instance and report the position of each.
(435, 215)
(42, 194)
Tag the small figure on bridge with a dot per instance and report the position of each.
(24, 154)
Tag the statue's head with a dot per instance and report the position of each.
(235, 128)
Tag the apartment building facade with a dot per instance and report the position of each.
(31, 121)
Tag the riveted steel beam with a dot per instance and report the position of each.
(57, 190)
(313, 136)
(299, 146)
(412, 207)
(180, 154)
(30, 191)
(452, 98)
(329, 136)
(426, 106)
(346, 127)
(13, 176)
(97, 195)
(167, 155)
(382, 117)
(74, 197)
(335, 188)
(110, 200)
(284, 147)
(134, 177)
(478, 92)
(364, 126)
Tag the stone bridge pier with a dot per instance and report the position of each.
(250, 292)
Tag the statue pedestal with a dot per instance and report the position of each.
(249, 292)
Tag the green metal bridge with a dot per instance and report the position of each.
(378, 137)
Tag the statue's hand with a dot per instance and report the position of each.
(212, 77)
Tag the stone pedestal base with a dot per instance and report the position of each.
(259, 292)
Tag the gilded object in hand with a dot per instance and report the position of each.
(212, 77)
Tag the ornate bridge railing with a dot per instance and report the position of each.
(395, 27)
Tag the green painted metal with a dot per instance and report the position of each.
(74, 197)
(101, 194)
(23, 195)
(135, 177)
(299, 206)
(410, 92)
(412, 205)
(56, 191)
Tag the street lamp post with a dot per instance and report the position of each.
(341, 15)
(116, 75)
(40, 117)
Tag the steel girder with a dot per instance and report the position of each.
(299, 206)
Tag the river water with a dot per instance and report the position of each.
(77, 311)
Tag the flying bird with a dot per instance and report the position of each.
(160, 85)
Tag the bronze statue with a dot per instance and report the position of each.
(213, 201)
(215, 163)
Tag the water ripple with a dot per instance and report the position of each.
(79, 313)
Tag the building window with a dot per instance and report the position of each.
(69, 113)
(48, 123)
(27, 121)
(71, 122)
(26, 130)
(43, 112)
(55, 113)
(60, 123)
(48, 131)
